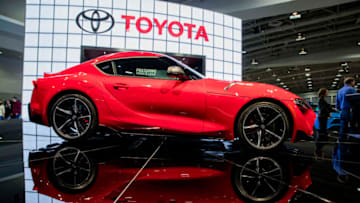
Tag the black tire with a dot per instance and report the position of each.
(73, 122)
(71, 170)
(265, 132)
(260, 179)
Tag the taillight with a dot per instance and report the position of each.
(34, 83)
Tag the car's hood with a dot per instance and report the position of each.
(247, 89)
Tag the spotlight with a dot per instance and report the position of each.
(309, 81)
(282, 83)
(278, 80)
(287, 88)
(307, 69)
(310, 85)
(284, 86)
(1, 52)
(341, 70)
(254, 62)
(336, 79)
(338, 75)
(274, 75)
(344, 64)
(244, 52)
(268, 69)
(308, 78)
(358, 43)
(302, 52)
(295, 15)
(334, 82)
(307, 74)
(300, 37)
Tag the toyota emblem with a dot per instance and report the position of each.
(95, 21)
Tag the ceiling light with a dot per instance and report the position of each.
(337, 79)
(1, 52)
(244, 52)
(284, 86)
(338, 75)
(334, 82)
(274, 75)
(293, 78)
(308, 78)
(309, 81)
(295, 15)
(278, 79)
(344, 64)
(307, 74)
(254, 62)
(333, 85)
(358, 43)
(310, 85)
(341, 70)
(300, 37)
(282, 83)
(302, 52)
(268, 69)
(356, 86)
(307, 69)
(287, 88)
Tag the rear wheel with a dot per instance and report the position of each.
(73, 116)
(263, 126)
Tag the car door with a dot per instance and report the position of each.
(149, 99)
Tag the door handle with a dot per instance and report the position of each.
(120, 86)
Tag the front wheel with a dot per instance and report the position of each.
(73, 116)
(263, 126)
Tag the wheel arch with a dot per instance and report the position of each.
(65, 92)
(265, 99)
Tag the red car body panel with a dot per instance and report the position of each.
(160, 184)
(201, 107)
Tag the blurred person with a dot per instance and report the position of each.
(344, 106)
(7, 109)
(16, 108)
(323, 115)
(2, 110)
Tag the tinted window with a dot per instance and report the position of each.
(106, 67)
(144, 67)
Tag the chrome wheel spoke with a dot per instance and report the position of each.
(63, 125)
(255, 189)
(87, 116)
(259, 138)
(251, 126)
(76, 128)
(273, 134)
(272, 120)
(260, 115)
(67, 112)
(269, 185)
(76, 110)
(63, 172)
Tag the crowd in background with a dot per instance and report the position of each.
(10, 109)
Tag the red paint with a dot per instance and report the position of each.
(138, 25)
(202, 33)
(127, 21)
(160, 26)
(190, 107)
(190, 27)
(171, 31)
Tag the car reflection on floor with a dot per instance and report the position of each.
(158, 169)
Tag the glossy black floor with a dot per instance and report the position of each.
(135, 168)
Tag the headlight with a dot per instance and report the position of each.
(302, 104)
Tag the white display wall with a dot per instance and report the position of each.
(53, 43)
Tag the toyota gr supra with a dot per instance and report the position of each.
(151, 92)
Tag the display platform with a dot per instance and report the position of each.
(114, 167)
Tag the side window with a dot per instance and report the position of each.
(106, 67)
(144, 67)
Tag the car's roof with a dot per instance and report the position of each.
(126, 55)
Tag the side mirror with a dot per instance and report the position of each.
(176, 72)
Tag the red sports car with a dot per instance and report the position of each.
(142, 91)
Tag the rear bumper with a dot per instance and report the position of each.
(36, 118)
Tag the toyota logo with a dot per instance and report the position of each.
(95, 21)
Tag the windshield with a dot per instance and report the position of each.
(197, 74)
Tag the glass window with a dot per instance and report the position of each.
(144, 67)
(106, 67)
